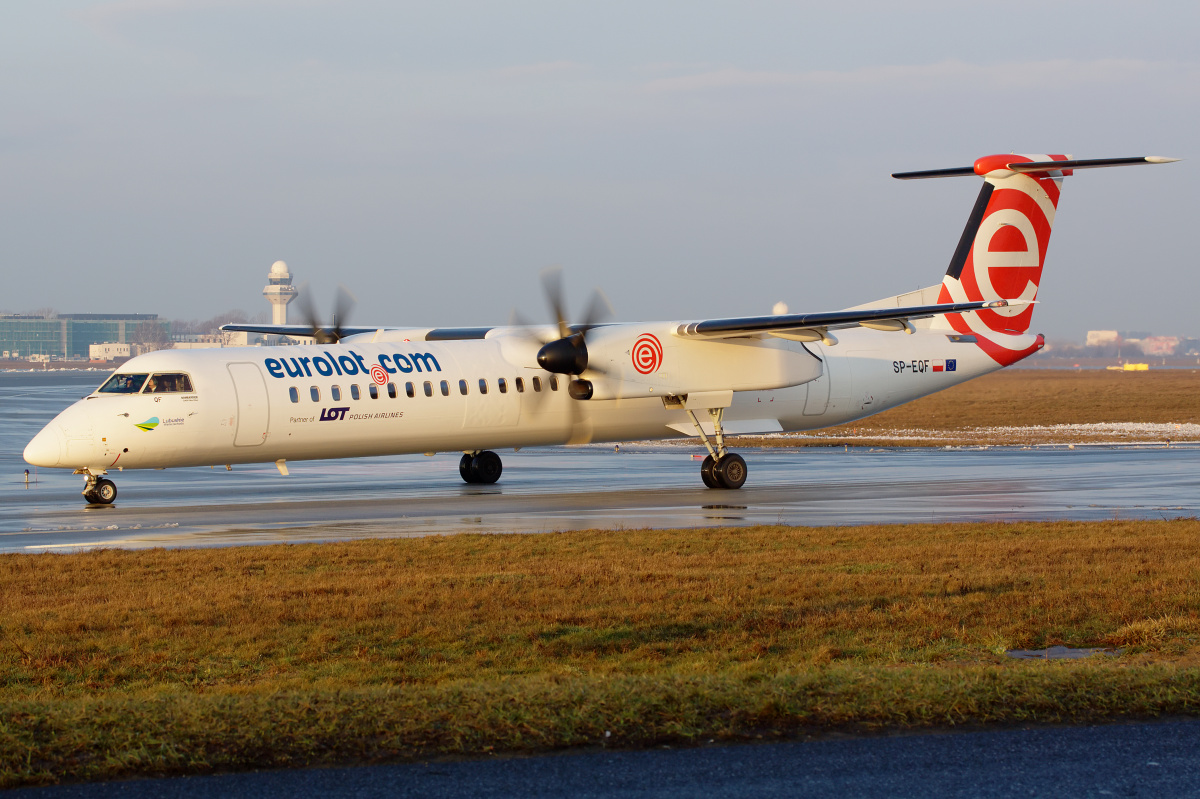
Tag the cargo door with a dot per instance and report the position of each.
(253, 412)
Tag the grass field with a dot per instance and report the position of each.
(1025, 406)
(115, 663)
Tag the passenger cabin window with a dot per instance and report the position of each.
(553, 383)
(408, 389)
(482, 386)
(294, 394)
(354, 392)
(169, 384)
(502, 384)
(520, 384)
(336, 393)
(391, 390)
(123, 384)
(445, 388)
(373, 390)
(462, 387)
(428, 389)
(315, 393)
(537, 383)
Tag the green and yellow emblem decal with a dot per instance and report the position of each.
(149, 424)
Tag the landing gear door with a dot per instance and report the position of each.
(253, 412)
(818, 390)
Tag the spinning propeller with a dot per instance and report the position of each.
(342, 306)
(568, 354)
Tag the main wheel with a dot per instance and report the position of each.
(464, 468)
(104, 493)
(486, 467)
(706, 472)
(730, 471)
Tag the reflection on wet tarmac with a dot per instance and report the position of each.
(562, 489)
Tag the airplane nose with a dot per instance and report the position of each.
(45, 449)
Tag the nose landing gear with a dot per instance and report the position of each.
(98, 490)
(480, 467)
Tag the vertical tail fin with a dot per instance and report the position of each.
(1003, 247)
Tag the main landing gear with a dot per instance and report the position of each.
(98, 490)
(480, 467)
(721, 469)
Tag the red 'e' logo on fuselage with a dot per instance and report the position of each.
(647, 354)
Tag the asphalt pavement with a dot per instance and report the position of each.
(1159, 759)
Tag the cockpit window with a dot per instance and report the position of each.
(123, 384)
(169, 384)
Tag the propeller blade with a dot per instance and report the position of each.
(552, 285)
(600, 370)
(517, 319)
(598, 309)
(343, 304)
(581, 429)
(309, 313)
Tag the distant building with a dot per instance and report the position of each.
(109, 351)
(66, 335)
(1098, 338)
(1159, 345)
(196, 341)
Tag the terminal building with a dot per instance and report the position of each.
(66, 336)
(105, 337)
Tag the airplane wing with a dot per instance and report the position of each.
(816, 326)
(306, 331)
(299, 331)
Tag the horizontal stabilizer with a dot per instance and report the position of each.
(954, 172)
(989, 163)
(1090, 163)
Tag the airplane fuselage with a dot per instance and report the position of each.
(264, 404)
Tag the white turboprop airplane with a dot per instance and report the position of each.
(363, 391)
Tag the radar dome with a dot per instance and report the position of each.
(279, 268)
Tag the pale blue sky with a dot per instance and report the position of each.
(693, 159)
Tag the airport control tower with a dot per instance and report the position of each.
(279, 292)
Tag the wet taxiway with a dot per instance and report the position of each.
(565, 489)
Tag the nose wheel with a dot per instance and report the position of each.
(480, 467)
(99, 490)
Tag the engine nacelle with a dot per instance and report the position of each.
(626, 361)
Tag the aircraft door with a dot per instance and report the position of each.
(253, 412)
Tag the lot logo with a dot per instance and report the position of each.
(149, 424)
(647, 354)
(333, 414)
(378, 374)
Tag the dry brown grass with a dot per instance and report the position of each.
(321, 653)
(1011, 398)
